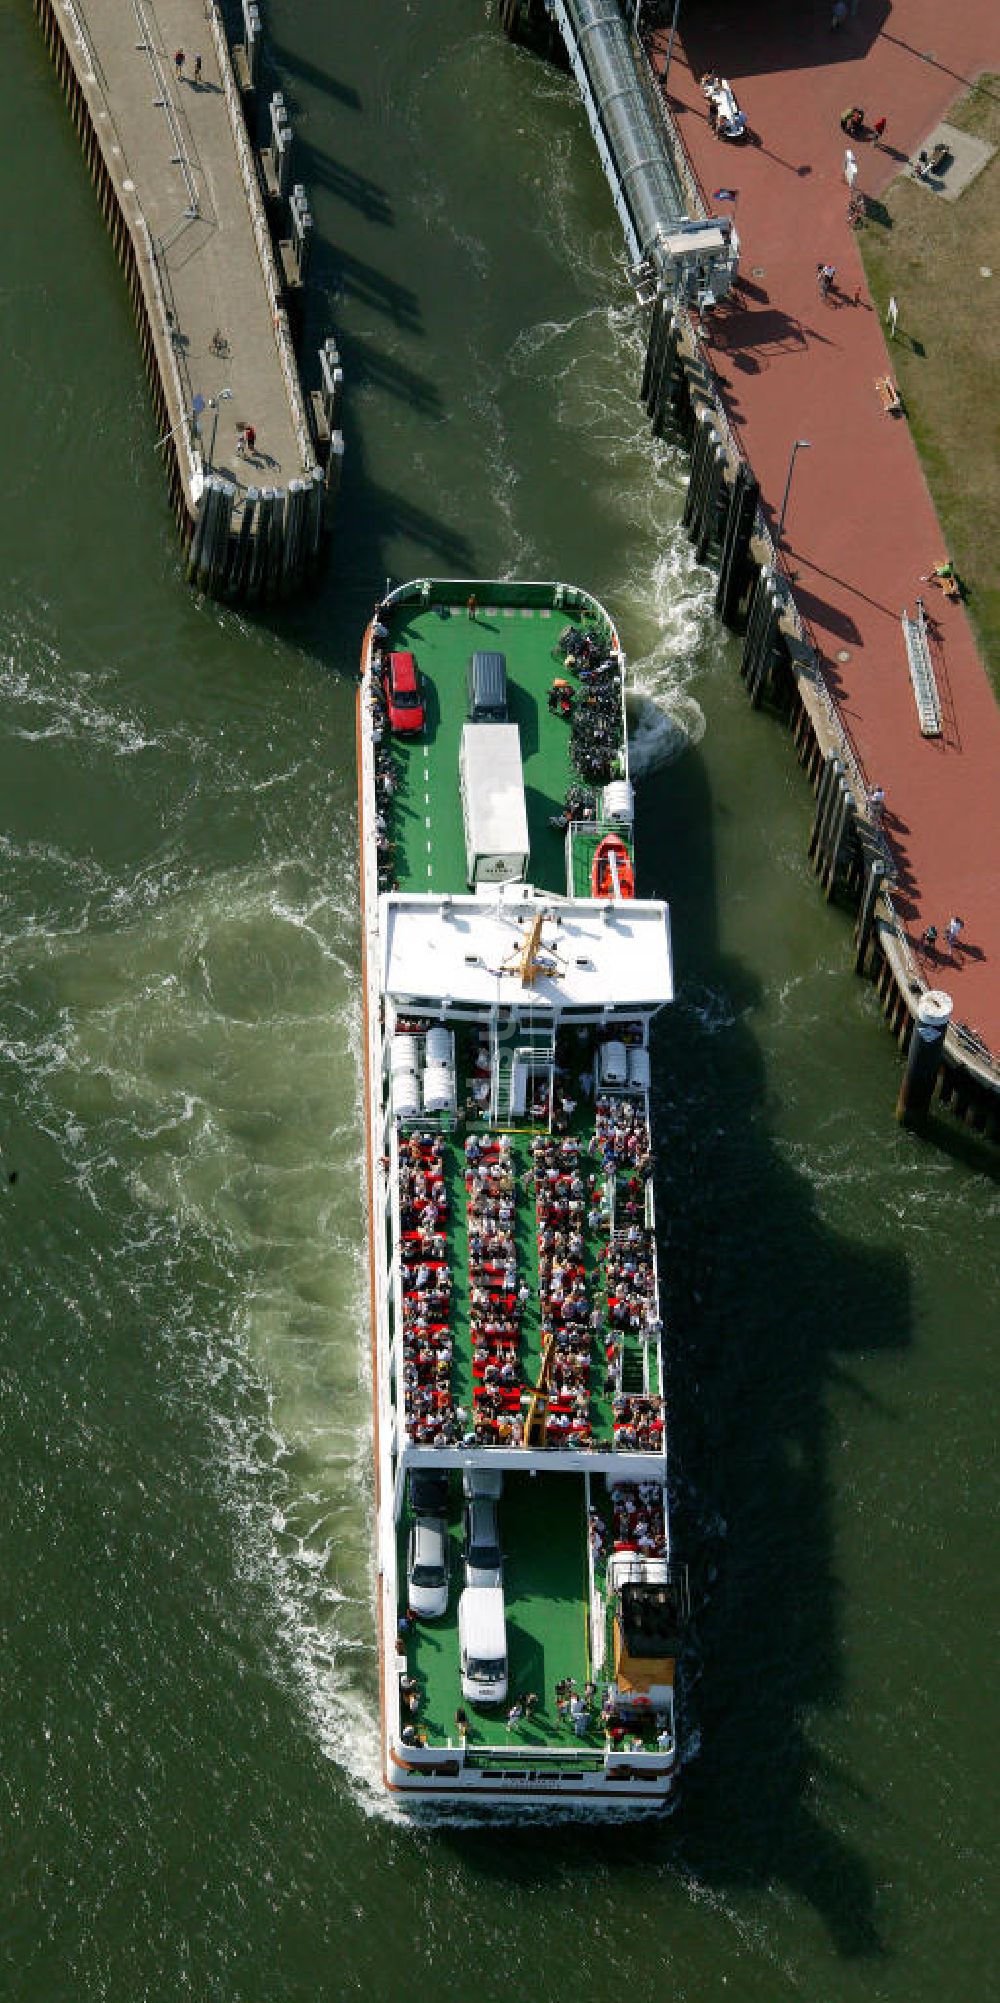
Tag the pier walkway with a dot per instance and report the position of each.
(179, 182)
(792, 365)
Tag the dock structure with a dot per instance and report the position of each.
(214, 269)
(899, 840)
(893, 716)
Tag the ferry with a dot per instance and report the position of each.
(530, 1607)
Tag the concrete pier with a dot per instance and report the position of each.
(180, 185)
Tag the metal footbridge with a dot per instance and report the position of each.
(670, 247)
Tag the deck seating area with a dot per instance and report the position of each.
(497, 1294)
(426, 1286)
(564, 1204)
(592, 1308)
(630, 1269)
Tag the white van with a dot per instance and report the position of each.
(482, 1641)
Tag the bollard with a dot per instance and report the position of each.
(841, 830)
(825, 792)
(240, 563)
(292, 546)
(924, 1059)
(275, 546)
(708, 528)
(652, 346)
(218, 555)
(760, 611)
(197, 539)
(331, 382)
(874, 878)
(251, 24)
(705, 440)
(315, 503)
(202, 564)
(335, 463)
(768, 647)
(302, 227)
(734, 566)
(258, 559)
(665, 388)
(283, 158)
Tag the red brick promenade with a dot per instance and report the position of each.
(860, 527)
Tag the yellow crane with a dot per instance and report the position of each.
(538, 1405)
(528, 959)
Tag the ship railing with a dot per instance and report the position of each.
(553, 1759)
(645, 1762)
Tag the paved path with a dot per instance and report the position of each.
(176, 138)
(860, 526)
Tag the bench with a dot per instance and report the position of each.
(892, 402)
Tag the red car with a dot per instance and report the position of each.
(402, 694)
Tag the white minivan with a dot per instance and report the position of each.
(482, 1641)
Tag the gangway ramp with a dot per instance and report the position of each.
(633, 142)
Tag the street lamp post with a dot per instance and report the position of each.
(800, 445)
(213, 404)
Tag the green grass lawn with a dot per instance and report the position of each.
(932, 255)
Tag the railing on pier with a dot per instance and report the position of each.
(147, 41)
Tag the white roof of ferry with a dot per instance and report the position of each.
(458, 949)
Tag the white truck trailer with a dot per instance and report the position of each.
(494, 814)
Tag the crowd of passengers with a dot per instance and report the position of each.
(496, 1296)
(637, 1521)
(385, 781)
(565, 1201)
(426, 1283)
(568, 1202)
(630, 1272)
(622, 1133)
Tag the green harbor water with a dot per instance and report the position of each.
(188, 1768)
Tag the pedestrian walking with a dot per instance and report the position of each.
(878, 130)
(953, 932)
(197, 69)
(179, 62)
(850, 167)
(825, 275)
(241, 441)
(471, 605)
(876, 803)
(839, 14)
(929, 939)
(249, 440)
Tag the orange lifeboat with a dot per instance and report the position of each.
(611, 872)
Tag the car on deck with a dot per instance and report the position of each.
(403, 694)
(427, 1568)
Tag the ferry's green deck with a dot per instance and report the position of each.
(426, 816)
(543, 1530)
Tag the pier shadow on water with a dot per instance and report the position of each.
(765, 1307)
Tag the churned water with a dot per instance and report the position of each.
(188, 1764)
